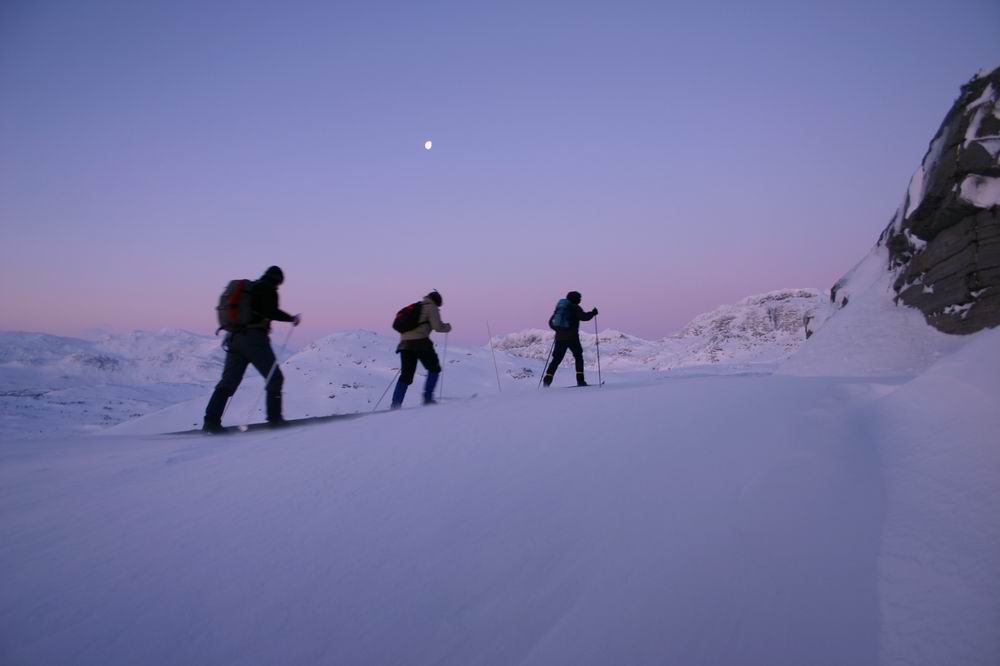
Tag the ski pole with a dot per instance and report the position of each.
(391, 382)
(443, 363)
(597, 338)
(267, 380)
(490, 333)
(546, 366)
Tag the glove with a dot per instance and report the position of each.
(594, 312)
(296, 320)
(446, 327)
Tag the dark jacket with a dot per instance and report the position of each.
(264, 303)
(575, 315)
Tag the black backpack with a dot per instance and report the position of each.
(560, 320)
(408, 318)
(235, 310)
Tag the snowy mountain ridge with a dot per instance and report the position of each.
(140, 357)
(50, 382)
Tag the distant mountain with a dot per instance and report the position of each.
(759, 330)
(139, 357)
(49, 382)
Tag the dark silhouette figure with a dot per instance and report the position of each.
(251, 345)
(567, 327)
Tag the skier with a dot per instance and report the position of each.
(565, 321)
(251, 344)
(415, 345)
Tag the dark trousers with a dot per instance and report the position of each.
(242, 349)
(408, 363)
(559, 352)
(427, 357)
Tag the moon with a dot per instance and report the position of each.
(428, 144)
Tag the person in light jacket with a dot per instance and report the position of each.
(415, 345)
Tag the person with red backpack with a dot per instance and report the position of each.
(415, 323)
(246, 311)
(565, 321)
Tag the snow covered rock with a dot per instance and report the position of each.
(771, 325)
(764, 329)
(944, 240)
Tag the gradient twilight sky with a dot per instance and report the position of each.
(663, 158)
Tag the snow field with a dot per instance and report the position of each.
(687, 520)
(841, 511)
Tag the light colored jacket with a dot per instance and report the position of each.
(430, 320)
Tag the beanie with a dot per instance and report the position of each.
(274, 274)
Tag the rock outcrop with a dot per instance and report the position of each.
(944, 240)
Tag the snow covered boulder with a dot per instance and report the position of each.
(944, 240)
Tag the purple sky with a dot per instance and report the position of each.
(661, 158)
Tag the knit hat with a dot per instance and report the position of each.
(574, 297)
(275, 275)
(436, 297)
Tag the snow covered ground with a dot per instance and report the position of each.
(661, 519)
(839, 511)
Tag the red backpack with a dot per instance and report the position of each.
(408, 318)
(234, 309)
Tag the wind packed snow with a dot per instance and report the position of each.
(981, 191)
(988, 97)
(871, 336)
(918, 183)
(840, 511)
(940, 554)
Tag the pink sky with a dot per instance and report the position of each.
(662, 162)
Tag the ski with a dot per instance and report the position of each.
(290, 423)
(439, 401)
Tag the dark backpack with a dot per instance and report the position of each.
(408, 318)
(560, 321)
(235, 310)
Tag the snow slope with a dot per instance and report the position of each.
(660, 519)
(870, 335)
(940, 555)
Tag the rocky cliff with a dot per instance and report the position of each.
(944, 240)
